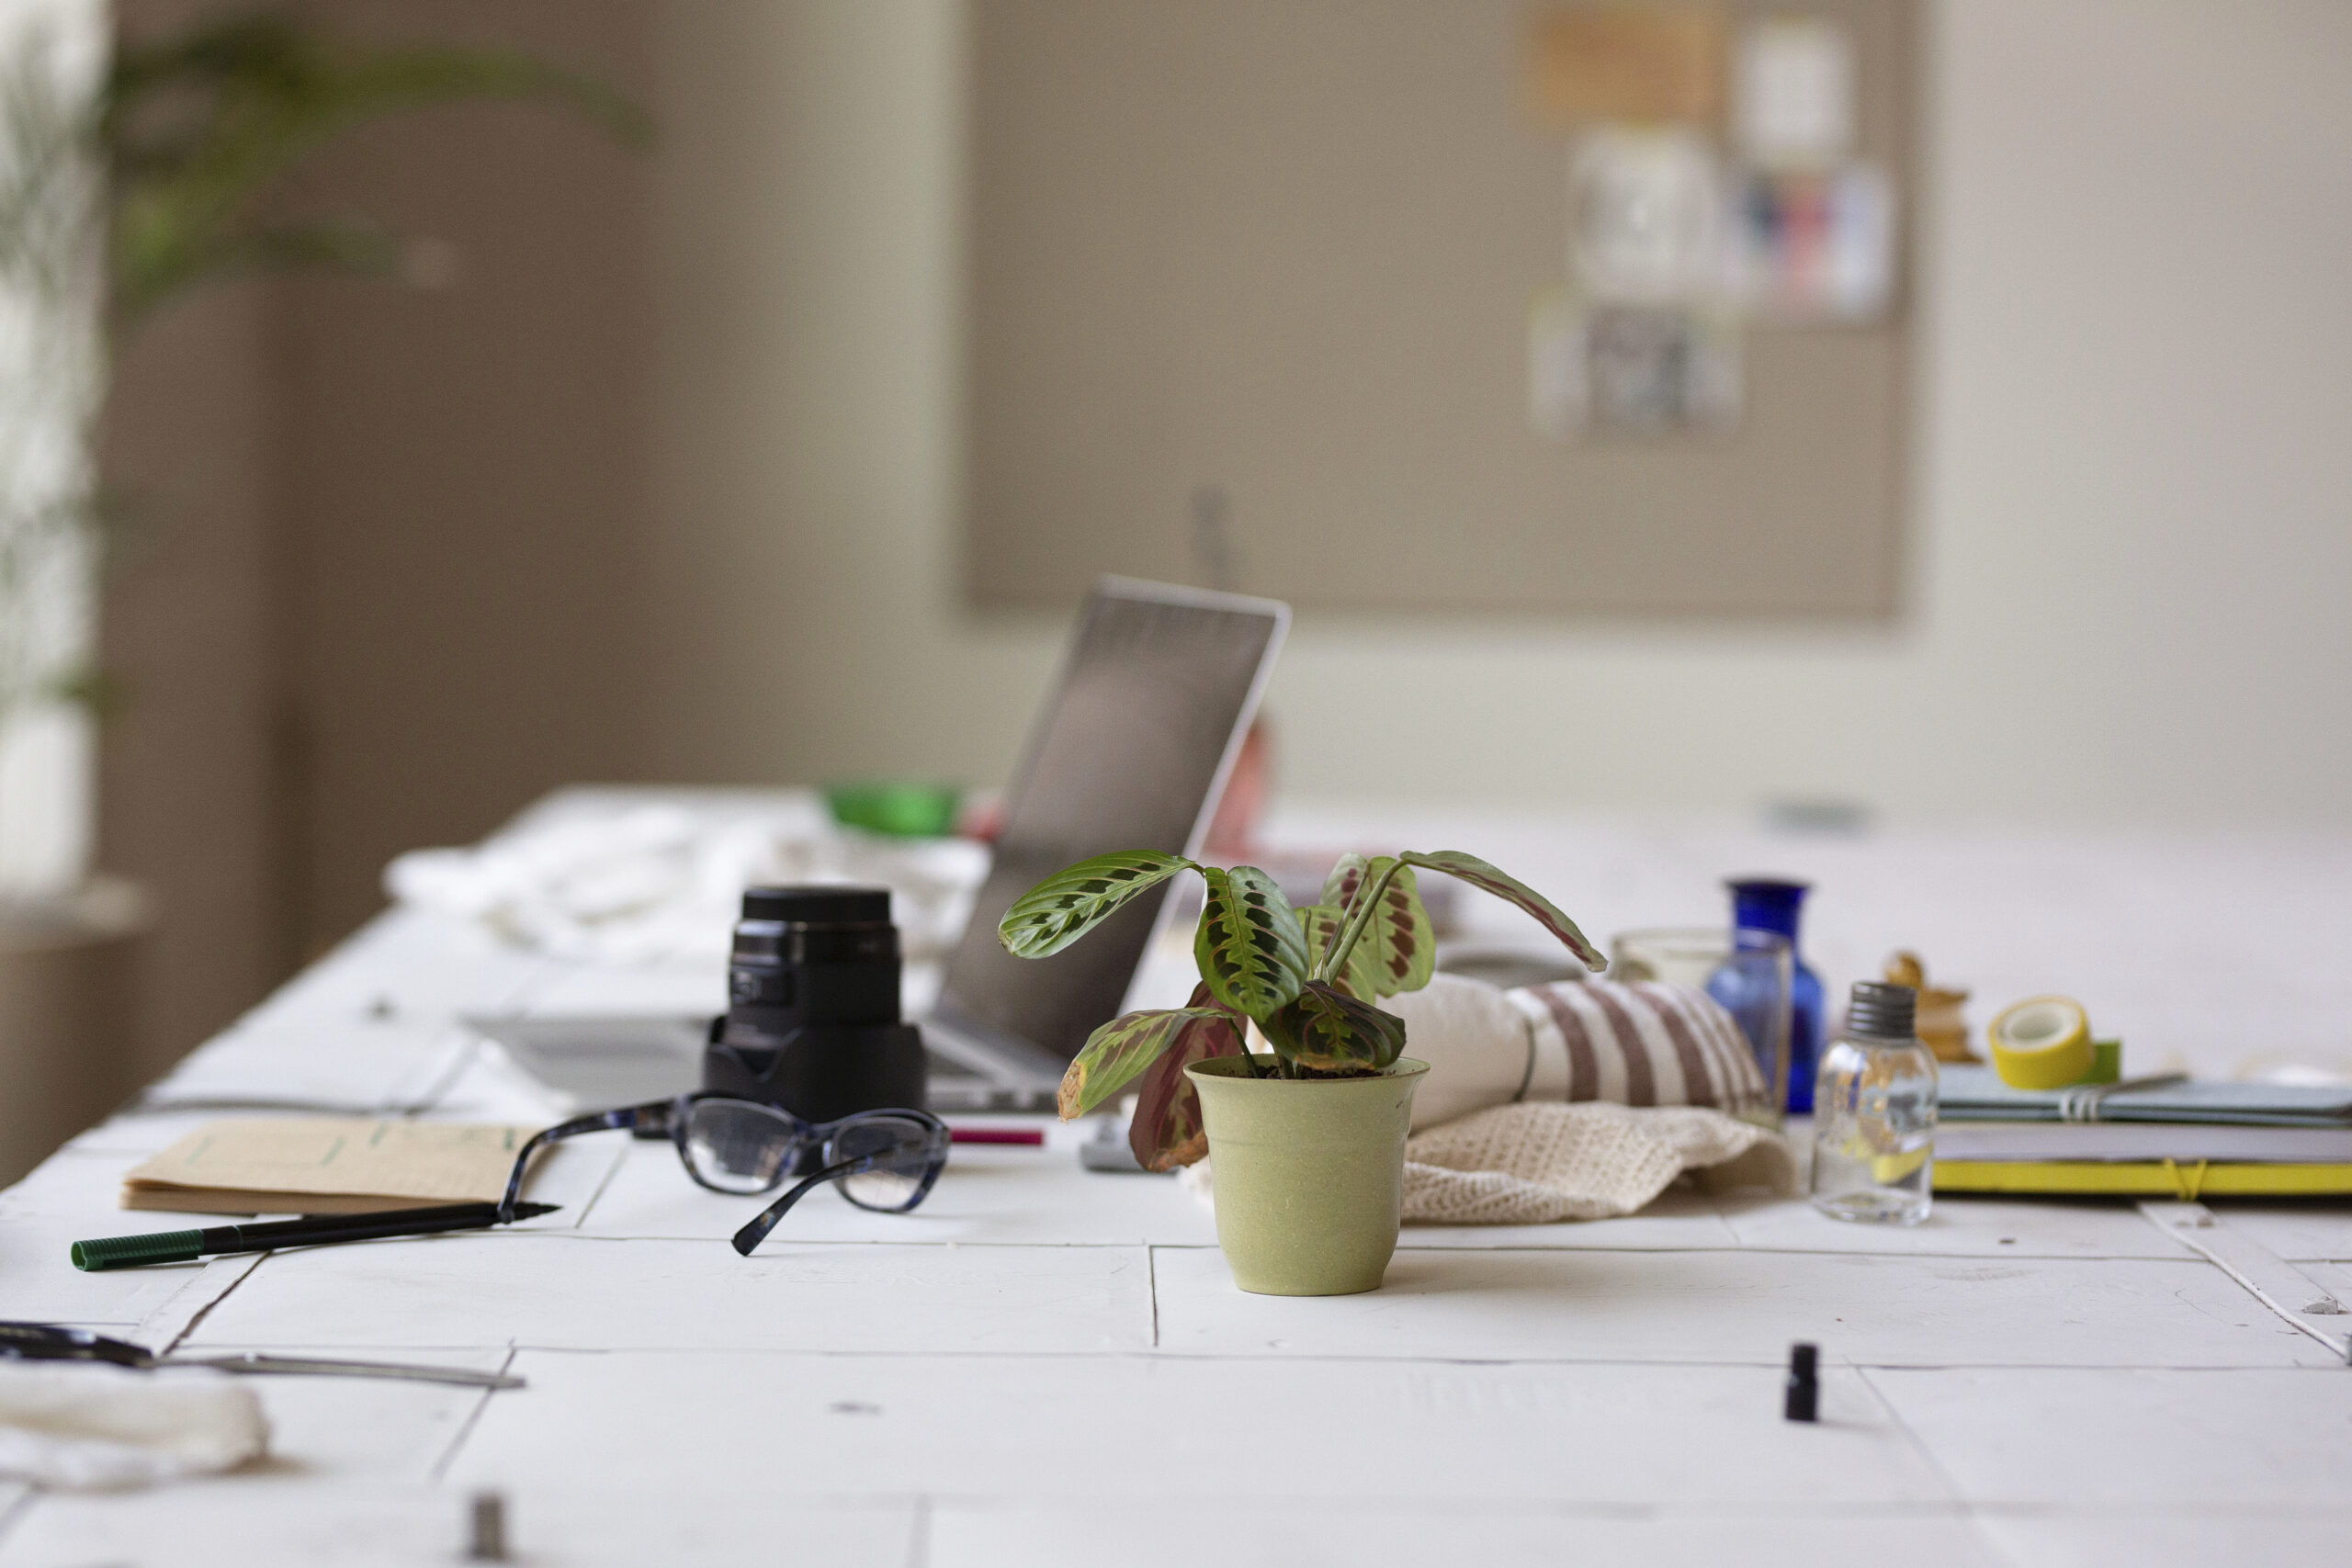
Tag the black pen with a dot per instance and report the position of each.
(185, 1247)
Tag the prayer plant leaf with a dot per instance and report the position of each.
(1327, 1030)
(1320, 923)
(1502, 885)
(1397, 945)
(1074, 900)
(1347, 875)
(1248, 948)
(1114, 1055)
(1168, 1130)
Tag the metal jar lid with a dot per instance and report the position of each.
(1881, 1010)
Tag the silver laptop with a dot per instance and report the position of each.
(1130, 752)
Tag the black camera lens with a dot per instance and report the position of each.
(812, 1020)
(813, 955)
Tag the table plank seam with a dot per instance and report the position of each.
(1911, 1437)
(466, 1428)
(612, 1171)
(919, 1532)
(1386, 1504)
(2258, 1270)
(1408, 1244)
(1538, 1249)
(14, 1513)
(1310, 1357)
(230, 1272)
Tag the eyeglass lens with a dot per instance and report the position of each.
(902, 1150)
(736, 1147)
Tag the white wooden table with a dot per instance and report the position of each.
(1044, 1366)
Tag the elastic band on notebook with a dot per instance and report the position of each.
(2084, 1101)
(2187, 1184)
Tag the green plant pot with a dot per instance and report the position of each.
(1308, 1175)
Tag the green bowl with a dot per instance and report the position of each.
(895, 807)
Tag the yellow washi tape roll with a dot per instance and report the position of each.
(2041, 1043)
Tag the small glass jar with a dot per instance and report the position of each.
(1747, 975)
(1874, 1114)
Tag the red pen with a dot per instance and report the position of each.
(1029, 1137)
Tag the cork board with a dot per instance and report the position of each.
(1249, 285)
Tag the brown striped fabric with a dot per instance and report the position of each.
(1698, 1081)
(1584, 1068)
(1622, 1025)
(1644, 1044)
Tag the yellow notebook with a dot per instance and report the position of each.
(325, 1165)
(2187, 1180)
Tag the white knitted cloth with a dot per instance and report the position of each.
(1524, 1165)
(97, 1429)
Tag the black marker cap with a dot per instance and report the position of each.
(1803, 1399)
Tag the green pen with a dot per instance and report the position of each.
(316, 1230)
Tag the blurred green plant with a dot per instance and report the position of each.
(1307, 977)
(192, 130)
(125, 186)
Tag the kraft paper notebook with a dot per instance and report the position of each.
(325, 1166)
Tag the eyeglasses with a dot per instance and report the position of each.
(884, 1161)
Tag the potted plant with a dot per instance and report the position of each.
(1309, 1135)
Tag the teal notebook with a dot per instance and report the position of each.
(1968, 1093)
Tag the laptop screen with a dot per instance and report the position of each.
(1156, 692)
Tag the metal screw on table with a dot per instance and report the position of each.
(486, 1516)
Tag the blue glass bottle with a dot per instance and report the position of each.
(1768, 904)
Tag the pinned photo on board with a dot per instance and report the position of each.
(1608, 368)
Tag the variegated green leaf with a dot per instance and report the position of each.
(1076, 899)
(1327, 1030)
(1250, 954)
(1167, 1131)
(1503, 885)
(1320, 923)
(1347, 875)
(1397, 943)
(1115, 1054)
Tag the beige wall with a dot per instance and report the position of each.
(465, 467)
(387, 581)
(2131, 547)
(188, 786)
(665, 485)
(804, 565)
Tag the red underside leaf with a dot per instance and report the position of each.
(1167, 1131)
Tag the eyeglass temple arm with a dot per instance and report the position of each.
(751, 1234)
(598, 1121)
